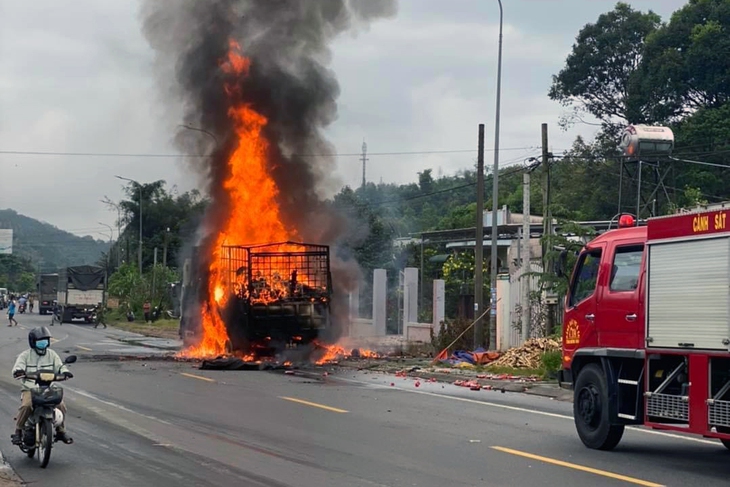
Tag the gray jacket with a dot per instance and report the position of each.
(30, 362)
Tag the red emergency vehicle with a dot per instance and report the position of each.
(646, 332)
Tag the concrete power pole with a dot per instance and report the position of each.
(547, 217)
(479, 247)
(526, 309)
(364, 160)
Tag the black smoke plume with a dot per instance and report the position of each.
(289, 82)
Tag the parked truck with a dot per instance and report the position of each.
(47, 292)
(80, 290)
(646, 334)
(279, 296)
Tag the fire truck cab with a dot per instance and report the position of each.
(646, 333)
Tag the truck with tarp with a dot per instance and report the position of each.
(80, 290)
(47, 292)
(646, 333)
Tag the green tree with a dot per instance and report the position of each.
(687, 61)
(597, 77)
(127, 285)
(168, 219)
(17, 273)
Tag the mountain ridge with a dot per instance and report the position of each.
(47, 246)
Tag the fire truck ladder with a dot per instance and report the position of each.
(630, 380)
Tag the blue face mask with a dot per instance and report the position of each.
(42, 344)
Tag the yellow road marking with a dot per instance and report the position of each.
(313, 404)
(54, 340)
(199, 377)
(83, 348)
(594, 471)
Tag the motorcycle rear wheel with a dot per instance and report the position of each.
(46, 442)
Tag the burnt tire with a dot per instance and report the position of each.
(590, 410)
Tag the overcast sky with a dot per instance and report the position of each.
(76, 77)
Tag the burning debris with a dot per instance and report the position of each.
(253, 74)
(333, 354)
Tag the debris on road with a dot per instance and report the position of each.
(527, 356)
(467, 359)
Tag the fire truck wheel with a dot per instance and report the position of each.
(590, 410)
(726, 443)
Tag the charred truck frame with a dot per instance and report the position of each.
(278, 296)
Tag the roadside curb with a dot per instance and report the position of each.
(542, 389)
(8, 476)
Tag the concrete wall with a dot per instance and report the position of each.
(418, 332)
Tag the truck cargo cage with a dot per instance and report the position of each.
(282, 292)
(277, 272)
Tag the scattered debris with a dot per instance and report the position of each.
(465, 359)
(527, 356)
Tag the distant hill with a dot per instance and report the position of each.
(49, 246)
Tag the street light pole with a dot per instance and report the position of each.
(111, 237)
(203, 131)
(495, 196)
(109, 202)
(139, 256)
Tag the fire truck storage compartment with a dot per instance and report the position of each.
(667, 400)
(688, 298)
(718, 405)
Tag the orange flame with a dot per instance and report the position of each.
(254, 214)
(333, 353)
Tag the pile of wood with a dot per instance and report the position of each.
(528, 355)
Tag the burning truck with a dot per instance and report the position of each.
(271, 297)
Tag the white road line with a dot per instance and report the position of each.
(531, 411)
(113, 404)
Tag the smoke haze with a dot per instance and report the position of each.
(289, 82)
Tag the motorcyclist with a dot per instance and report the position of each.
(38, 356)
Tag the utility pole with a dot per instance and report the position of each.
(479, 247)
(547, 218)
(164, 253)
(364, 159)
(154, 274)
(495, 196)
(526, 269)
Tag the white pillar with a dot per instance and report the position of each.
(439, 303)
(380, 287)
(503, 312)
(355, 303)
(410, 297)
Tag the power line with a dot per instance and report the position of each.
(149, 155)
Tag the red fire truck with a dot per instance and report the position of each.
(646, 334)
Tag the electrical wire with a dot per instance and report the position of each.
(148, 155)
(701, 163)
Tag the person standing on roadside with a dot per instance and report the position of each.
(147, 307)
(99, 318)
(11, 312)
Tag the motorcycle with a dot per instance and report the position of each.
(41, 426)
(21, 308)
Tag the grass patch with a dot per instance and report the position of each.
(158, 329)
(495, 369)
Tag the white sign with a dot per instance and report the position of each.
(6, 241)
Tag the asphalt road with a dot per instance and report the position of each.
(142, 423)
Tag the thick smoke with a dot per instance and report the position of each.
(289, 83)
